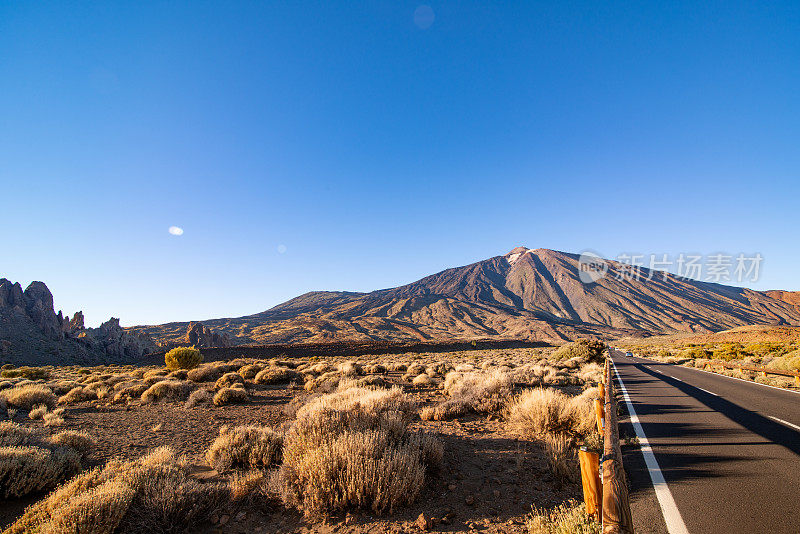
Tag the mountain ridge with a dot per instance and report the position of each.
(534, 294)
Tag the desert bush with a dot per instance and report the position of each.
(183, 358)
(167, 390)
(31, 462)
(350, 368)
(537, 412)
(227, 380)
(397, 367)
(231, 395)
(153, 494)
(561, 457)
(276, 375)
(199, 396)
(245, 447)
(179, 374)
(445, 410)
(590, 350)
(132, 390)
(29, 395)
(31, 373)
(422, 380)
(28, 469)
(80, 441)
(205, 373)
(481, 392)
(38, 411)
(352, 449)
(249, 372)
(53, 419)
(375, 369)
(567, 518)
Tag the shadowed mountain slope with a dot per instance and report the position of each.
(531, 294)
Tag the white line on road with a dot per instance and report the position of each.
(672, 516)
(709, 392)
(787, 423)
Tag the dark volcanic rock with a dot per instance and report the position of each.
(31, 332)
(200, 336)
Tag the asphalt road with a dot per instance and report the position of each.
(729, 450)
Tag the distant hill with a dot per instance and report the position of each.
(529, 294)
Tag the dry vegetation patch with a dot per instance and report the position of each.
(352, 449)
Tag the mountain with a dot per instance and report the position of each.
(531, 294)
(790, 297)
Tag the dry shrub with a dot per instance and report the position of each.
(153, 494)
(350, 368)
(179, 374)
(200, 396)
(561, 457)
(245, 447)
(131, 391)
(567, 518)
(60, 387)
(537, 412)
(319, 368)
(397, 367)
(375, 369)
(38, 411)
(227, 380)
(475, 391)
(25, 470)
(276, 375)
(31, 462)
(183, 358)
(326, 382)
(249, 372)
(28, 395)
(167, 390)
(80, 441)
(352, 449)
(443, 411)
(77, 394)
(53, 419)
(205, 373)
(590, 350)
(232, 395)
(155, 373)
(415, 369)
(422, 380)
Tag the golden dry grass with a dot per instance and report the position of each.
(352, 449)
(27, 396)
(245, 447)
(152, 494)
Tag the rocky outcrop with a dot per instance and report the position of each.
(117, 343)
(32, 332)
(201, 336)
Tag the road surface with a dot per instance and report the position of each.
(729, 451)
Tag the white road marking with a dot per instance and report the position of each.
(709, 392)
(787, 423)
(672, 516)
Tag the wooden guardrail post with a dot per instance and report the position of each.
(590, 479)
(616, 506)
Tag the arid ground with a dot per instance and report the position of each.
(480, 438)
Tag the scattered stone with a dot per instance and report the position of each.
(452, 487)
(423, 523)
(470, 500)
(224, 519)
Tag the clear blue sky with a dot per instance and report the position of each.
(377, 148)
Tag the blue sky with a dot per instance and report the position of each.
(341, 145)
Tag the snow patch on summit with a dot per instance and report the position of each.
(514, 256)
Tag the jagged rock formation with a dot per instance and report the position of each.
(201, 336)
(31, 332)
(532, 294)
